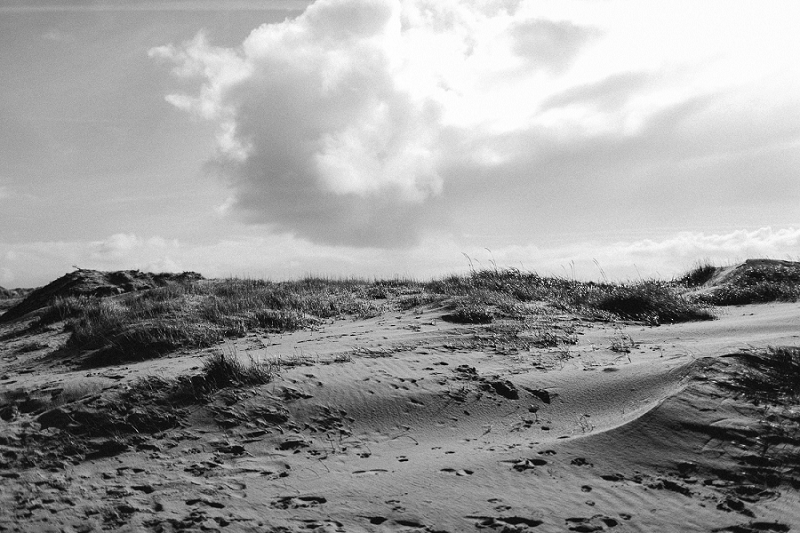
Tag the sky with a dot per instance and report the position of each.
(594, 139)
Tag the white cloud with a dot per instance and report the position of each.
(370, 122)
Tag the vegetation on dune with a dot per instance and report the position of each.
(757, 281)
(773, 374)
(650, 301)
(145, 324)
(190, 312)
(220, 371)
(200, 313)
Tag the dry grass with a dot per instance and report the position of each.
(759, 282)
(200, 313)
(773, 375)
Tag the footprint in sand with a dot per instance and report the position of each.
(373, 472)
(321, 526)
(521, 465)
(596, 523)
(205, 501)
(298, 502)
(506, 523)
(463, 472)
(376, 520)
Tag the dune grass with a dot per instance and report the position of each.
(773, 374)
(220, 370)
(201, 313)
(758, 282)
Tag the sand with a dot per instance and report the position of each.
(406, 422)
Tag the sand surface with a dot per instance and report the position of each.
(406, 422)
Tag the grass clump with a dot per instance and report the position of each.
(149, 323)
(220, 371)
(651, 301)
(773, 374)
(758, 282)
(223, 370)
(508, 290)
(699, 275)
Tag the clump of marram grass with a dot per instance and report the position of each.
(650, 301)
(147, 324)
(223, 370)
(699, 275)
(470, 311)
(758, 282)
(150, 323)
(773, 374)
(220, 370)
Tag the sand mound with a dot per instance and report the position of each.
(94, 283)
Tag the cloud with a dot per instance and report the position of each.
(549, 44)
(609, 93)
(373, 123)
(331, 124)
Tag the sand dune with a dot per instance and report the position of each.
(405, 422)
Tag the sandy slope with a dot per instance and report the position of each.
(407, 423)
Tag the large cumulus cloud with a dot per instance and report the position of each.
(331, 125)
(369, 122)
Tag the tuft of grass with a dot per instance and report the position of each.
(223, 370)
(220, 371)
(773, 375)
(699, 275)
(758, 282)
(653, 302)
(470, 311)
